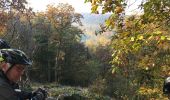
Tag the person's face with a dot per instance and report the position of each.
(15, 73)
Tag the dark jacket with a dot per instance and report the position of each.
(7, 89)
(11, 91)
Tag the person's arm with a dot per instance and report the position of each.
(39, 94)
(7, 93)
(23, 95)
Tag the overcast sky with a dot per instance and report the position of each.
(79, 5)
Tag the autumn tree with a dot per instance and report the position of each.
(62, 19)
(54, 33)
(140, 45)
(8, 10)
(16, 25)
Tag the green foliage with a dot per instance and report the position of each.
(139, 55)
(59, 55)
(99, 86)
(71, 91)
(115, 7)
(11, 13)
(53, 43)
(140, 47)
(79, 69)
(156, 10)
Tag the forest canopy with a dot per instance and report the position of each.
(132, 66)
(140, 46)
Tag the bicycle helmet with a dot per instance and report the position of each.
(3, 44)
(14, 56)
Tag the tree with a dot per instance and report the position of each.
(116, 8)
(55, 33)
(79, 69)
(62, 19)
(13, 4)
(8, 10)
(140, 45)
(16, 25)
(103, 55)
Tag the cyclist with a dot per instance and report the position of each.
(13, 63)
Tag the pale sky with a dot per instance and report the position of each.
(79, 5)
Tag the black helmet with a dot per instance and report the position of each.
(14, 56)
(3, 44)
(166, 87)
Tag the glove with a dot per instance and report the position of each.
(23, 95)
(39, 94)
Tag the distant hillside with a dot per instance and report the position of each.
(91, 24)
(93, 20)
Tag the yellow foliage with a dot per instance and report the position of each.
(2, 29)
(128, 24)
(151, 93)
(168, 38)
(148, 91)
(118, 9)
(158, 32)
(162, 37)
(90, 43)
(132, 39)
(103, 41)
(93, 2)
(140, 37)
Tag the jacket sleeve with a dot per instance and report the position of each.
(7, 93)
(24, 95)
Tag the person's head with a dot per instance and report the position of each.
(13, 63)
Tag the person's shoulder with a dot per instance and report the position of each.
(4, 83)
(6, 91)
(5, 87)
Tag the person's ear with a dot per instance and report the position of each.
(4, 66)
